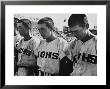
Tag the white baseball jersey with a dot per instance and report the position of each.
(84, 55)
(25, 48)
(49, 55)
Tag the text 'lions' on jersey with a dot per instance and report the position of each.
(49, 55)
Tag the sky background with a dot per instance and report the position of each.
(58, 19)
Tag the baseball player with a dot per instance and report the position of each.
(26, 46)
(82, 51)
(51, 58)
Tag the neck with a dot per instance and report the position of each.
(27, 37)
(86, 37)
(51, 38)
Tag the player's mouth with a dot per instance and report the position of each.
(44, 36)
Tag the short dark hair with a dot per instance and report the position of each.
(26, 23)
(48, 21)
(77, 19)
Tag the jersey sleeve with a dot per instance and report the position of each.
(34, 44)
(37, 47)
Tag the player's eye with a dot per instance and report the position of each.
(75, 31)
(42, 30)
(20, 28)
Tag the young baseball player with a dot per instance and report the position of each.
(82, 51)
(51, 58)
(26, 58)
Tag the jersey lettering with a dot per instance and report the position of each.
(48, 54)
(55, 56)
(85, 57)
(44, 54)
(25, 51)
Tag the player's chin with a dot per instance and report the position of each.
(78, 37)
(22, 34)
(44, 37)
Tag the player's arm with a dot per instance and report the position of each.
(66, 65)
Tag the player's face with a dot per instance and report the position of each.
(22, 30)
(44, 31)
(77, 31)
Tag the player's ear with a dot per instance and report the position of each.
(86, 22)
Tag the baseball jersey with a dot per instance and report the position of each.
(49, 55)
(25, 48)
(84, 57)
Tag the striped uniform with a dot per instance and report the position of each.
(49, 55)
(84, 57)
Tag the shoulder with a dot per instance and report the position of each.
(61, 40)
(94, 39)
(35, 41)
(32, 40)
(94, 36)
(41, 42)
(17, 38)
